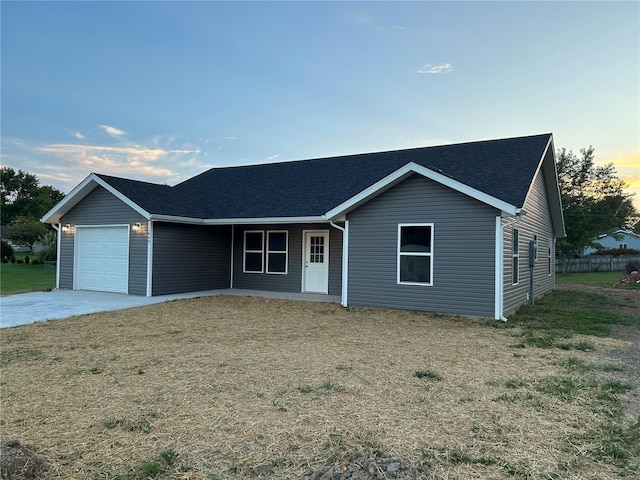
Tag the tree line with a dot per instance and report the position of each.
(23, 203)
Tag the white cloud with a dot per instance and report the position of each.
(435, 69)
(112, 131)
(272, 157)
(63, 165)
(78, 135)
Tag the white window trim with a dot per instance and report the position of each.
(515, 255)
(414, 254)
(285, 251)
(245, 251)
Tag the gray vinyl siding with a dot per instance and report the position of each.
(536, 221)
(463, 250)
(190, 258)
(100, 207)
(292, 280)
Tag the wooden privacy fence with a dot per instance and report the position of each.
(594, 263)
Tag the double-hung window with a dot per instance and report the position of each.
(253, 251)
(277, 242)
(515, 254)
(415, 254)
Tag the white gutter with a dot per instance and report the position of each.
(238, 221)
(499, 264)
(345, 259)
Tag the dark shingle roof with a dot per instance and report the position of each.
(503, 169)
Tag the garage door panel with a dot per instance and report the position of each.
(102, 258)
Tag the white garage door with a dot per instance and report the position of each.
(102, 258)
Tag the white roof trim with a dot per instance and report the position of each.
(409, 169)
(82, 190)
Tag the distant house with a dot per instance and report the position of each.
(625, 240)
(445, 229)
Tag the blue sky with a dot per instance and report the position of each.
(161, 91)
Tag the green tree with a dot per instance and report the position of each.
(22, 195)
(27, 231)
(593, 200)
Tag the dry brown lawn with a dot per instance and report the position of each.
(261, 388)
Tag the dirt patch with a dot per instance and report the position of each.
(18, 463)
(230, 387)
(367, 466)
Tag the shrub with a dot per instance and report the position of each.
(617, 251)
(20, 261)
(26, 259)
(632, 266)
(5, 260)
(49, 248)
(35, 262)
(7, 250)
(13, 259)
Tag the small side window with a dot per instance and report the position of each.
(515, 255)
(253, 261)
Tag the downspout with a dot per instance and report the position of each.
(58, 229)
(500, 262)
(345, 259)
(150, 258)
(233, 232)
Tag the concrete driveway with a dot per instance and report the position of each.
(26, 308)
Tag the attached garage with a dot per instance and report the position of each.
(102, 258)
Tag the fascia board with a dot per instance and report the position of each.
(237, 221)
(409, 169)
(81, 191)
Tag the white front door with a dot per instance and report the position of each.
(316, 261)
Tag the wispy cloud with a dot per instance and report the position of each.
(272, 158)
(435, 69)
(112, 131)
(63, 165)
(78, 135)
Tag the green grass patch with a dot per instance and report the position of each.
(22, 278)
(613, 443)
(142, 424)
(152, 468)
(600, 279)
(326, 387)
(427, 374)
(556, 317)
(575, 363)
